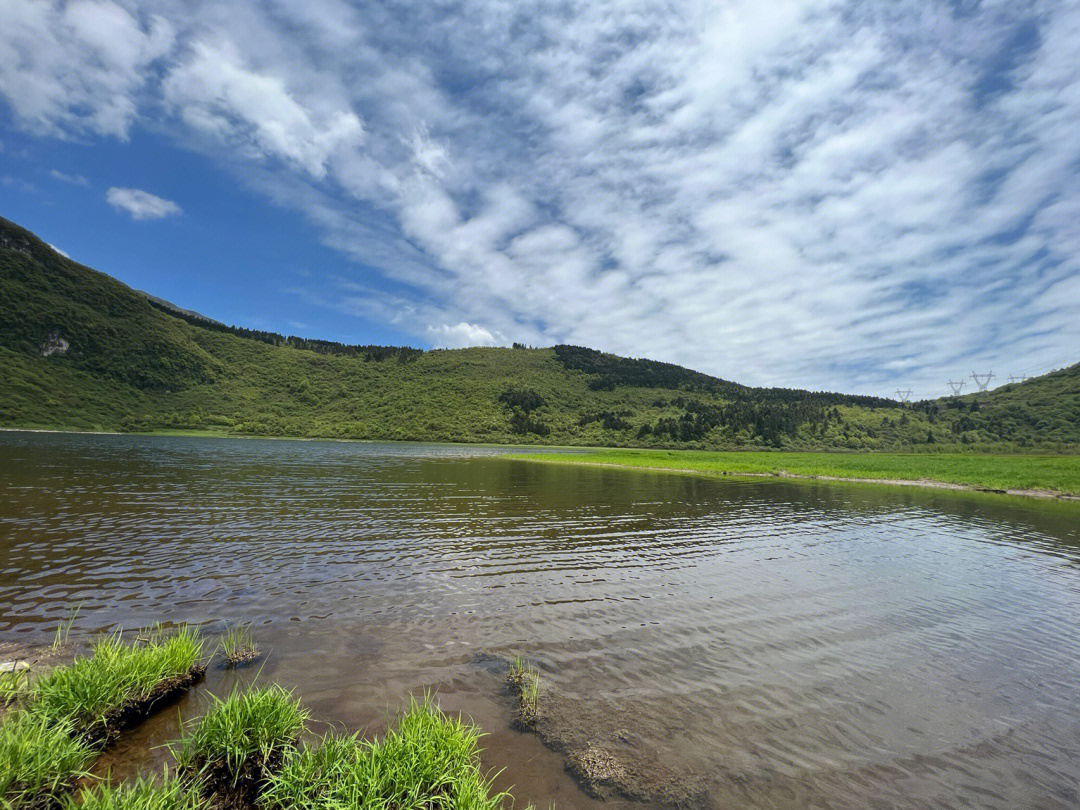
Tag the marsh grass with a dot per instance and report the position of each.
(240, 741)
(429, 760)
(118, 683)
(63, 629)
(524, 679)
(238, 646)
(142, 794)
(14, 684)
(39, 761)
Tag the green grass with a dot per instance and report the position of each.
(256, 727)
(238, 646)
(39, 760)
(429, 760)
(14, 684)
(142, 794)
(89, 692)
(525, 678)
(1041, 472)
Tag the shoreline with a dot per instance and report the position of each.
(923, 483)
(538, 453)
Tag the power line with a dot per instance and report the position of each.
(956, 387)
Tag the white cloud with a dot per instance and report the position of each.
(840, 194)
(461, 335)
(74, 179)
(68, 68)
(141, 204)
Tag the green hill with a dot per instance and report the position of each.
(82, 350)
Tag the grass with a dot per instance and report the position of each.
(142, 794)
(429, 760)
(63, 630)
(525, 679)
(93, 693)
(1060, 474)
(238, 646)
(39, 760)
(242, 738)
(14, 684)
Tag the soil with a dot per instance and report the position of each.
(242, 658)
(227, 789)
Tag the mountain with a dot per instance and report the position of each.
(81, 350)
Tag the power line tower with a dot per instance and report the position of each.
(1013, 378)
(956, 387)
(904, 395)
(982, 380)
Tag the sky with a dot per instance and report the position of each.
(853, 196)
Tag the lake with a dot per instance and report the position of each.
(774, 644)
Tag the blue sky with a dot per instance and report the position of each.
(845, 195)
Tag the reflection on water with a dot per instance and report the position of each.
(791, 644)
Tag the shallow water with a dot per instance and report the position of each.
(788, 644)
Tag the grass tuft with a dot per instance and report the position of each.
(93, 694)
(241, 740)
(14, 684)
(429, 760)
(63, 629)
(142, 794)
(39, 760)
(524, 678)
(238, 646)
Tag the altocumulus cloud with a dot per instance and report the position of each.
(141, 204)
(843, 194)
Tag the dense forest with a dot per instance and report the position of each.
(82, 350)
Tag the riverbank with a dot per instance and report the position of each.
(1027, 475)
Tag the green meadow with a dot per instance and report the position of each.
(1053, 473)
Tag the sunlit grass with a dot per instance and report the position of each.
(142, 794)
(63, 629)
(238, 646)
(429, 760)
(1020, 472)
(89, 692)
(14, 684)
(39, 760)
(256, 726)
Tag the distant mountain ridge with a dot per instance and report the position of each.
(83, 350)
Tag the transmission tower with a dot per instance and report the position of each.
(982, 380)
(956, 386)
(1016, 379)
(904, 395)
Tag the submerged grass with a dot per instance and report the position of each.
(238, 646)
(1060, 474)
(429, 760)
(96, 694)
(39, 761)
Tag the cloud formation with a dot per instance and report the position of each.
(847, 195)
(141, 204)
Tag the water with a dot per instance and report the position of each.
(782, 644)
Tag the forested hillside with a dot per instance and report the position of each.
(82, 350)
